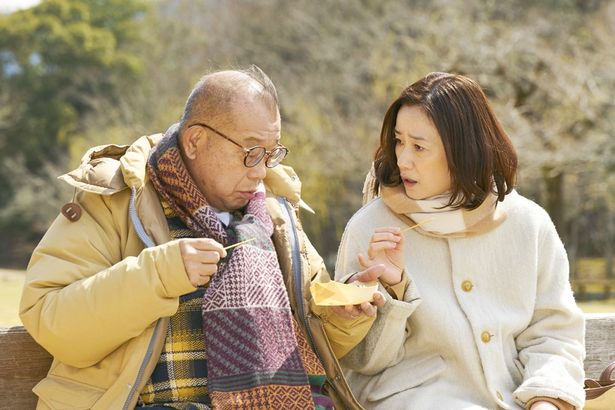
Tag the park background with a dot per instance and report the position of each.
(78, 73)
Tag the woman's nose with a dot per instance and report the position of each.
(405, 159)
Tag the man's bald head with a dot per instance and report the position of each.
(217, 95)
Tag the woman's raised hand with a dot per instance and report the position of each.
(386, 248)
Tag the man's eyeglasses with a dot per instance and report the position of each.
(253, 156)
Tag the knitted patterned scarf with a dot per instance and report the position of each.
(257, 356)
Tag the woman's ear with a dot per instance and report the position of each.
(190, 141)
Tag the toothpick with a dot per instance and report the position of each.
(418, 224)
(239, 243)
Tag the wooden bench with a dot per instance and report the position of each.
(23, 362)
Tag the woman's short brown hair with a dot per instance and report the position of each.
(480, 156)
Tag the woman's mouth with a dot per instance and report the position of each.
(408, 182)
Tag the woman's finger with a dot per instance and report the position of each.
(385, 236)
(374, 248)
(391, 229)
(369, 274)
(348, 312)
(368, 309)
(362, 261)
(379, 299)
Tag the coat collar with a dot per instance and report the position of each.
(107, 169)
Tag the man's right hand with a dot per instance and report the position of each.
(201, 257)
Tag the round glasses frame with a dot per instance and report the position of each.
(253, 156)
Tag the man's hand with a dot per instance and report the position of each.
(386, 248)
(351, 312)
(201, 257)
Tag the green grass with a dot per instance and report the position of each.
(598, 306)
(11, 282)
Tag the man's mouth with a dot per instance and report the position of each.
(247, 194)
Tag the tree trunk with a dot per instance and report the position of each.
(554, 204)
(608, 246)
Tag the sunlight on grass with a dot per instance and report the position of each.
(11, 283)
(598, 306)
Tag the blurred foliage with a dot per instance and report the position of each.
(118, 71)
(57, 60)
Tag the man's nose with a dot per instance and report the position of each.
(258, 171)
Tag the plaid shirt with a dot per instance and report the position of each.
(180, 378)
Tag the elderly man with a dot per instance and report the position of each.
(177, 277)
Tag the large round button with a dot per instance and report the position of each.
(466, 285)
(71, 211)
(485, 337)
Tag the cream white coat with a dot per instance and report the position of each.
(516, 334)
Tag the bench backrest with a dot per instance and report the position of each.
(23, 362)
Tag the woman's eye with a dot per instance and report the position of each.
(418, 148)
(397, 141)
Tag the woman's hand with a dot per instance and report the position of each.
(351, 312)
(543, 405)
(386, 248)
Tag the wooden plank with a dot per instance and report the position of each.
(599, 343)
(23, 363)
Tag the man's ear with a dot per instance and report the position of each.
(190, 141)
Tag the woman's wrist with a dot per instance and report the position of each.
(394, 282)
(393, 279)
(537, 403)
(389, 282)
(398, 290)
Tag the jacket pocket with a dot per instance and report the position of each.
(409, 373)
(60, 393)
(336, 385)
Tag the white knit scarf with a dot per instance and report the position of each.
(436, 219)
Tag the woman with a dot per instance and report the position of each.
(477, 309)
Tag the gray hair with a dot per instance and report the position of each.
(215, 95)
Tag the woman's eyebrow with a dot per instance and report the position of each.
(413, 136)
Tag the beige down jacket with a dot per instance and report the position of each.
(99, 291)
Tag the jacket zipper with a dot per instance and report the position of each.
(136, 222)
(148, 355)
(298, 282)
(132, 210)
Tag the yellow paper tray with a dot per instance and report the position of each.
(340, 294)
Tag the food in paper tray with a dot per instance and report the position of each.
(339, 294)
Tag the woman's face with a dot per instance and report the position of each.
(420, 154)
